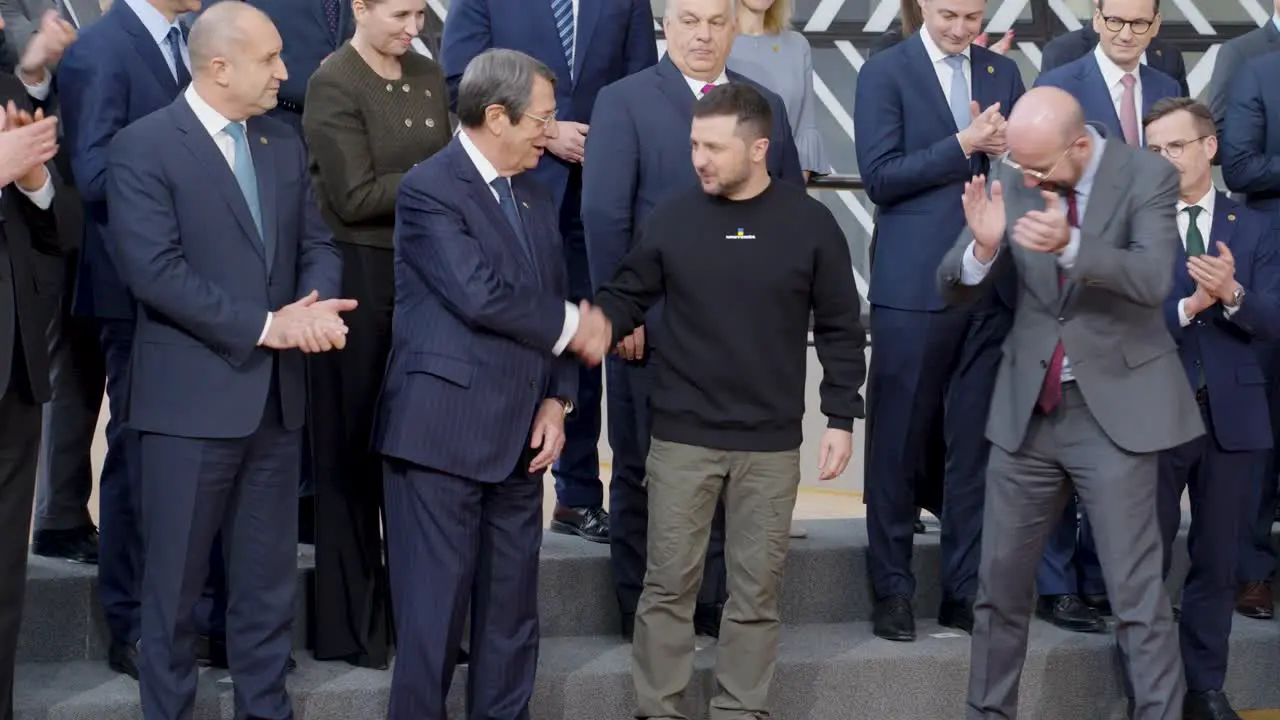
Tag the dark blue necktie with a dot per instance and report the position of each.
(507, 201)
(174, 41)
(331, 12)
(563, 12)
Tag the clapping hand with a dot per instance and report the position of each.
(310, 325)
(595, 334)
(1216, 275)
(46, 47)
(985, 216)
(1044, 231)
(985, 132)
(38, 175)
(26, 144)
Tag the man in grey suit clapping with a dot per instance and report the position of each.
(1089, 390)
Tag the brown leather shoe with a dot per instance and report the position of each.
(1253, 600)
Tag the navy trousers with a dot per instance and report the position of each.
(1220, 484)
(926, 366)
(1256, 561)
(247, 489)
(1070, 564)
(629, 386)
(119, 541)
(577, 472)
(455, 544)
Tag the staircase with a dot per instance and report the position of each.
(829, 666)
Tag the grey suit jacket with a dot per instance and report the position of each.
(22, 20)
(1231, 56)
(1108, 315)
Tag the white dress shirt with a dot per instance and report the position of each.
(489, 173)
(1113, 77)
(215, 124)
(974, 271)
(696, 85)
(1205, 223)
(944, 72)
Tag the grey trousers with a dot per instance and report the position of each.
(1026, 493)
(684, 484)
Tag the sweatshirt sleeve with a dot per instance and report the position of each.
(838, 335)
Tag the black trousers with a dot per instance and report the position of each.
(352, 598)
(19, 444)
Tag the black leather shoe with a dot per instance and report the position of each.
(1099, 603)
(893, 619)
(706, 620)
(957, 614)
(123, 658)
(1208, 705)
(211, 650)
(1069, 612)
(590, 523)
(77, 546)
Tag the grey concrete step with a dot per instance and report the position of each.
(824, 671)
(826, 582)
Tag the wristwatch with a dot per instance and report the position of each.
(1237, 297)
(567, 405)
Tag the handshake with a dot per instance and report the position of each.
(310, 325)
(594, 337)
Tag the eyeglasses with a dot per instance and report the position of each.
(1174, 149)
(1039, 175)
(546, 121)
(1115, 24)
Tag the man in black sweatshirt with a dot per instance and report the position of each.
(741, 265)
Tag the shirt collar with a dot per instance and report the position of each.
(696, 85)
(1111, 73)
(212, 120)
(936, 55)
(1206, 202)
(153, 20)
(488, 172)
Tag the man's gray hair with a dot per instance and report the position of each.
(672, 8)
(498, 77)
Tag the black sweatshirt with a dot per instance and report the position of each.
(739, 280)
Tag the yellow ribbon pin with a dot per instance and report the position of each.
(262, 139)
(991, 70)
(1231, 218)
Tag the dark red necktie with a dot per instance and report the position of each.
(1051, 389)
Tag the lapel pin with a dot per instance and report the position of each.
(262, 139)
(1159, 53)
(525, 204)
(428, 92)
(991, 70)
(1231, 218)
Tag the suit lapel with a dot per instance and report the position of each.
(920, 65)
(1148, 96)
(264, 166)
(985, 83)
(146, 46)
(675, 87)
(1096, 99)
(588, 14)
(482, 195)
(533, 227)
(1105, 197)
(200, 143)
(1224, 224)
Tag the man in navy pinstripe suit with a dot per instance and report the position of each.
(477, 387)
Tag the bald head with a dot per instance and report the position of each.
(1046, 113)
(220, 31)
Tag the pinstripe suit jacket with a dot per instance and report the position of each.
(475, 322)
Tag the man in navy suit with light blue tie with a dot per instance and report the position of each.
(928, 115)
(638, 156)
(1225, 302)
(477, 388)
(218, 236)
(1116, 91)
(128, 64)
(588, 44)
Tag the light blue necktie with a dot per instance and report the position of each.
(563, 11)
(246, 178)
(959, 92)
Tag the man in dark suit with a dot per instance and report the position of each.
(639, 156)
(217, 234)
(927, 114)
(126, 65)
(1115, 90)
(1160, 54)
(1250, 155)
(30, 263)
(1233, 54)
(1225, 301)
(312, 29)
(588, 44)
(480, 335)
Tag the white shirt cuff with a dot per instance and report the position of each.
(1183, 318)
(972, 270)
(1229, 311)
(570, 329)
(39, 92)
(43, 197)
(266, 327)
(1067, 258)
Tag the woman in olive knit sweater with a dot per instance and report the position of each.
(374, 109)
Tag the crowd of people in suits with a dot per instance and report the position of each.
(311, 219)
